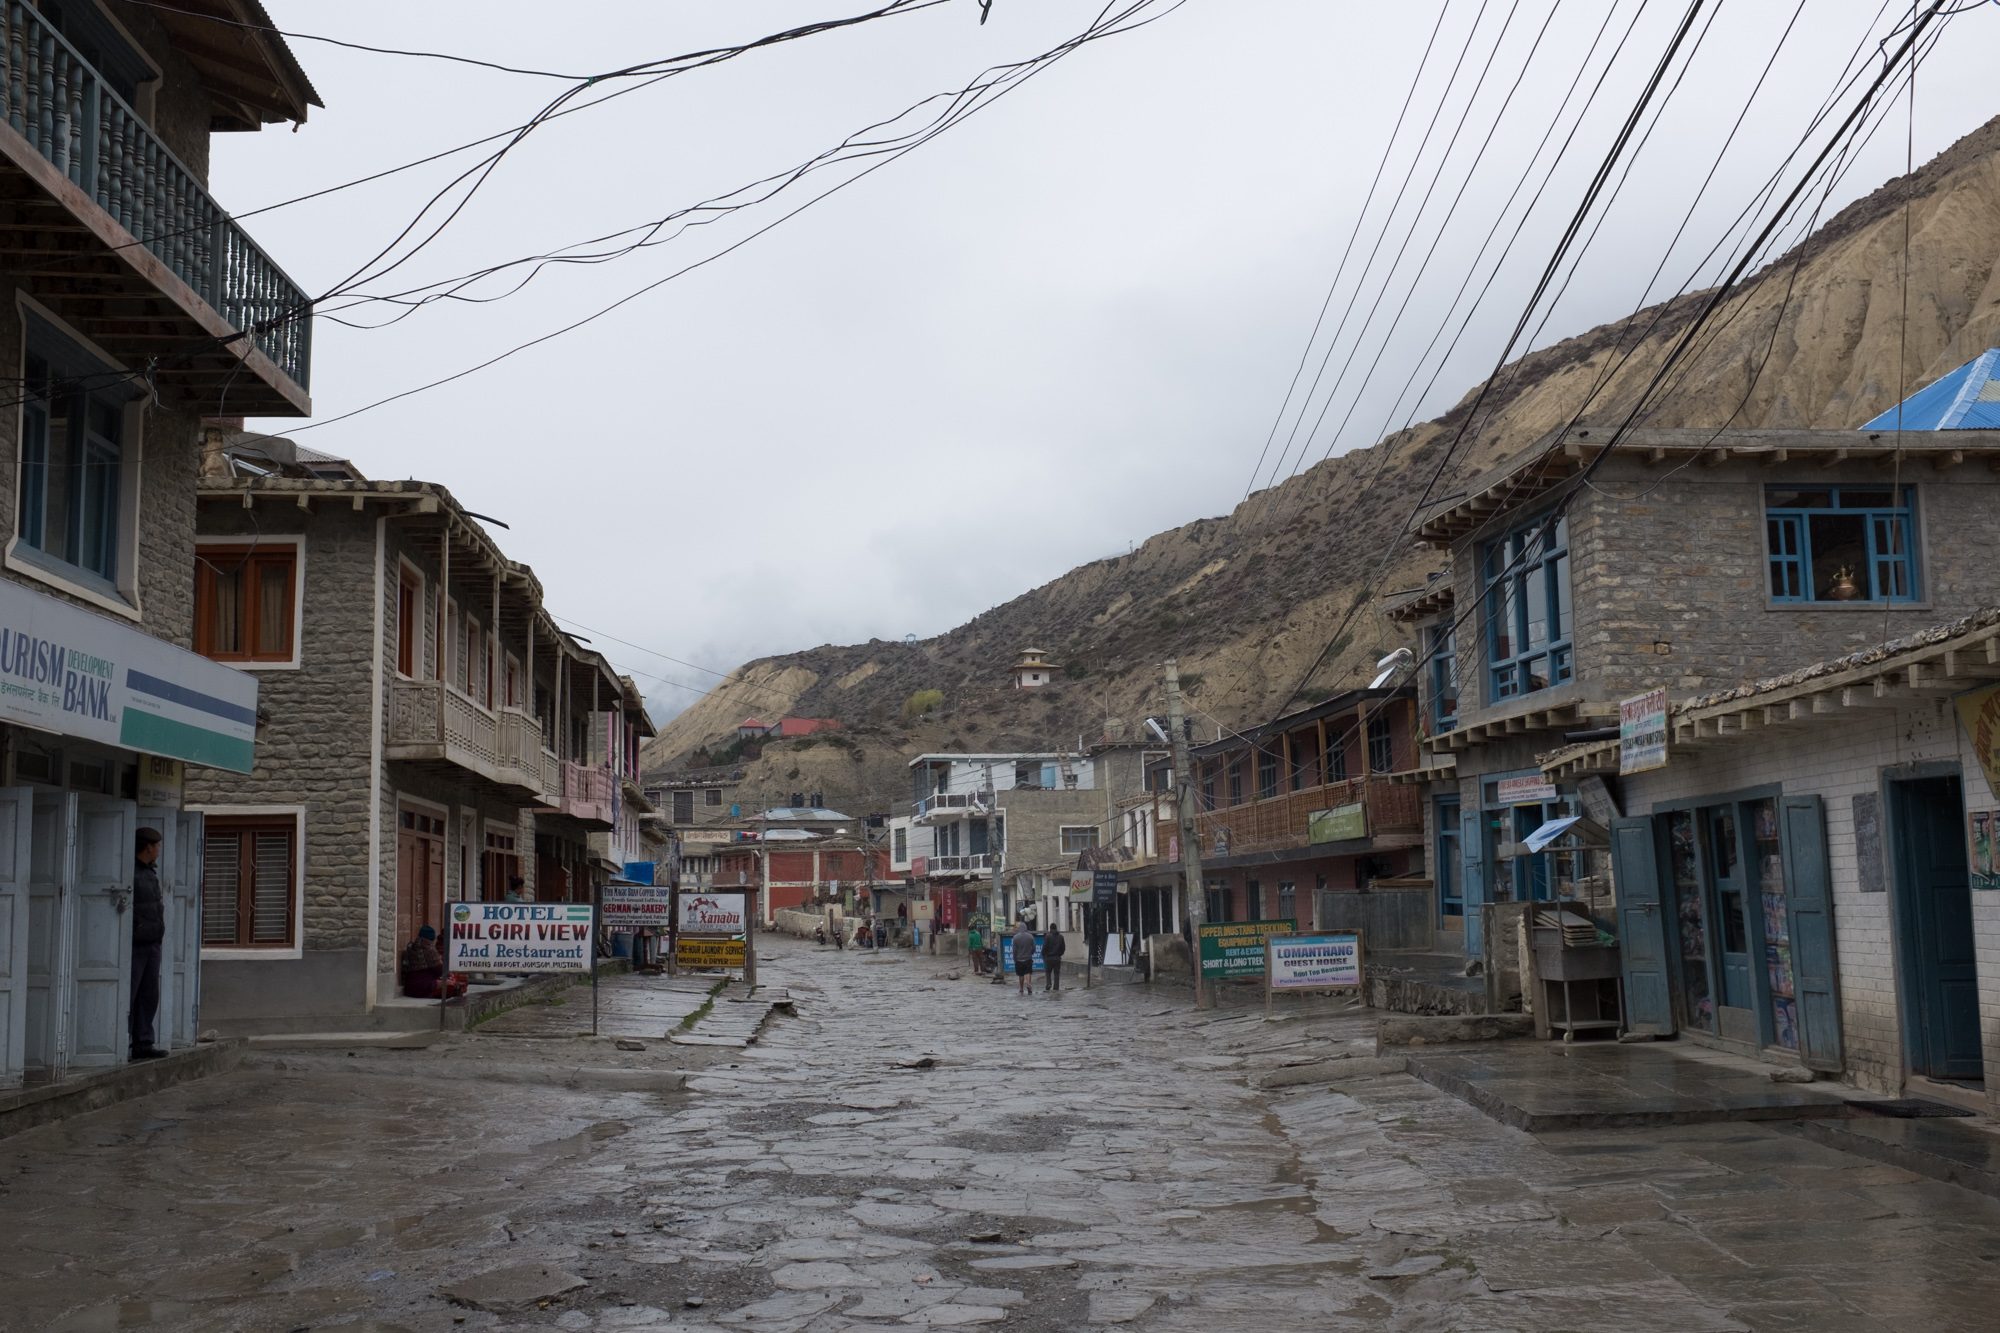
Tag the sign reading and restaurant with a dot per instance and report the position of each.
(1236, 948)
(1642, 732)
(519, 937)
(76, 673)
(714, 913)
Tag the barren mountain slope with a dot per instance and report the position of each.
(1246, 601)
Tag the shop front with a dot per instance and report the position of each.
(97, 719)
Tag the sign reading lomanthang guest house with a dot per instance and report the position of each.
(520, 937)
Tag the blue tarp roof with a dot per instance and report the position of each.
(1966, 399)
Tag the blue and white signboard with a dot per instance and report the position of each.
(1005, 944)
(76, 673)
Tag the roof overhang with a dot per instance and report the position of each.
(248, 69)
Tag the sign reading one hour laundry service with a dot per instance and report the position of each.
(76, 673)
(520, 937)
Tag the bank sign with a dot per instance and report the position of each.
(519, 937)
(76, 673)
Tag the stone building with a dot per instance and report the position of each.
(1690, 561)
(138, 307)
(430, 735)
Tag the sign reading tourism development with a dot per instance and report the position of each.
(1316, 962)
(519, 937)
(76, 673)
(714, 913)
(1236, 948)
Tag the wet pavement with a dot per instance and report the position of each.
(918, 1150)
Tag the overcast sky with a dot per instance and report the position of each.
(1060, 327)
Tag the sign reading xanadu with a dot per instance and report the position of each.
(76, 673)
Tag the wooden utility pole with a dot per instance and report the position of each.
(1192, 888)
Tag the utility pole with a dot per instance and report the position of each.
(1192, 888)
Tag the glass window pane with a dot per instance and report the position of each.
(274, 610)
(1870, 497)
(1798, 499)
(226, 621)
(1839, 545)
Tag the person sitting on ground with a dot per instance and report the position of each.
(423, 966)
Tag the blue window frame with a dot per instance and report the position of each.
(72, 457)
(1841, 543)
(1443, 649)
(1526, 576)
(1445, 867)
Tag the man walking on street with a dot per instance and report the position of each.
(1024, 957)
(1054, 946)
(149, 929)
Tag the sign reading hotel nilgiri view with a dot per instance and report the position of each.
(76, 673)
(520, 937)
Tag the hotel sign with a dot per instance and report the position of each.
(76, 673)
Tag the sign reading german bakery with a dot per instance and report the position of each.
(76, 673)
(630, 906)
(713, 914)
(520, 937)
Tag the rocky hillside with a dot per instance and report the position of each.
(1247, 600)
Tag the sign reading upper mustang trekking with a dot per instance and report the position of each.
(76, 673)
(714, 913)
(631, 906)
(1315, 962)
(1236, 948)
(1642, 732)
(519, 937)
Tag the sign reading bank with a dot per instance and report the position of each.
(76, 673)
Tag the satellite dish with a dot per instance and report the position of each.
(1395, 664)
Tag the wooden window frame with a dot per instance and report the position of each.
(410, 632)
(247, 823)
(250, 558)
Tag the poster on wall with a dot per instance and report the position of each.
(1642, 732)
(1983, 832)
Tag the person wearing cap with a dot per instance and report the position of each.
(423, 966)
(149, 932)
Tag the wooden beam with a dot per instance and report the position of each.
(1864, 696)
(1773, 457)
(1950, 458)
(1656, 456)
(1716, 457)
(1834, 458)
(1964, 665)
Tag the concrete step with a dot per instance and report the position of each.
(325, 1041)
(25, 1108)
(1954, 1151)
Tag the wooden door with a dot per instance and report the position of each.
(101, 984)
(51, 868)
(16, 836)
(1940, 980)
(1809, 905)
(187, 941)
(419, 874)
(1642, 928)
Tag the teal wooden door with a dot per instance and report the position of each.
(1809, 903)
(1472, 847)
(1642, 928)
(1940, 982)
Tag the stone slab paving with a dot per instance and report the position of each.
(645, 1007)
(916, 1152)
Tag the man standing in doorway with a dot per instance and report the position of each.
(149, 929)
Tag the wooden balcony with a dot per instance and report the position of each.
(1283, 822)
(106, 227)
(431, 723)
(587, 794)
(549, 779)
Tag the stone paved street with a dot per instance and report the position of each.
(913, 1150)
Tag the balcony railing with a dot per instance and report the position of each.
(429, 720)
(980, 864)
(61, 105)
(550, 777)
(954, 802)
(1283, 822)
(587, 792)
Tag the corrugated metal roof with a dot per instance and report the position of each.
(817, 813)
(1965, 399)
